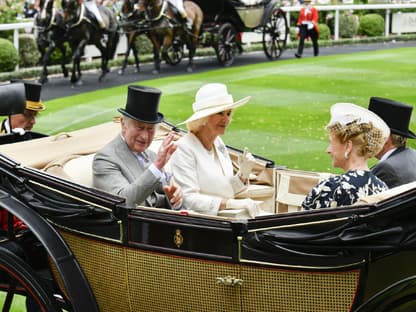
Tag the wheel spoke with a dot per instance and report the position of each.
(226, 44)
(275, 35)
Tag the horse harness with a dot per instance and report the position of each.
(162, 11)
(52, 21)
(82, 16)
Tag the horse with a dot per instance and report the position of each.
(132, 22)
(51, 34)
(164, 29)
(83, 29)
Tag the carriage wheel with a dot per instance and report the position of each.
(226, 44)
(275, 33)
(175, 53)
(17, 277)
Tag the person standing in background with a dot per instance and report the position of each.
(308, 27)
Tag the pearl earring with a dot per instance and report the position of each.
(346, 155)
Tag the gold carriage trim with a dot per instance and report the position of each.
(178, 238)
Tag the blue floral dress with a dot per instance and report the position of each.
(344, 189)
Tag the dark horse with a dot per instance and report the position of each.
(51, 34)
(133, 24)
(83, 29)
(164, 28)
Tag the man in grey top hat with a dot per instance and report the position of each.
(126, 167)
(397, 163)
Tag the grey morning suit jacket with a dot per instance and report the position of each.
(399, 168)
(117, 170)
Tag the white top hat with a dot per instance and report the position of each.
(345, 113)
(213, 98)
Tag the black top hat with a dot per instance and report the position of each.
(32, 90)
(395, 114)
(142, 104)
(12, 99)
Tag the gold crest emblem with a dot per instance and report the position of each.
(178, 238)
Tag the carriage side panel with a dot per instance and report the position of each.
(127, 279)
(279, 290)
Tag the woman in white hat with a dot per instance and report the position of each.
(355, 135)
(201, 164)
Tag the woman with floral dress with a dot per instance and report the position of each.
(355, 135)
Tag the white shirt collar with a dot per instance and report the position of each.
(7, 125)
(387, 154)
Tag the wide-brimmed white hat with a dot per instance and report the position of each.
(213, 98)
(346, 113)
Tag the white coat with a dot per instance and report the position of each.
(206, 177)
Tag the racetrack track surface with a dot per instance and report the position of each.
(58, 86)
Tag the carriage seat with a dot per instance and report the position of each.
(293, 186)
(76, 168)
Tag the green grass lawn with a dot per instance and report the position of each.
(18, 303)
(290, 102)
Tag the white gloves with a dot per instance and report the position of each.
(19, 131)
(308, 24)
(246, 204)
(246, 163)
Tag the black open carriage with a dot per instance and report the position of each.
(226, 20)
(85, 250)
(224, 23)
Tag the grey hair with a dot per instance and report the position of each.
(398, 140)
(196, 125)
(125, 120)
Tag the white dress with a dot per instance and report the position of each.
(206, 177)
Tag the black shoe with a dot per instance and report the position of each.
(298, 55)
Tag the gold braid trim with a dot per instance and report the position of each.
(36, 106)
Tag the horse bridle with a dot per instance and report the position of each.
(81, 9)
(149, 8)
(43, 15)
(129, 14)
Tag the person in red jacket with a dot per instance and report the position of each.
(308, 27)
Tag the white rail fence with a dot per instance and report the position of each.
(356, 7)
(401, 22)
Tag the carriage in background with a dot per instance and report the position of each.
(226, 20)
(223, 25)
(82, 249)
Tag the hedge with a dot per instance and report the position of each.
(28, 51)
(8, 56)
(371, 25)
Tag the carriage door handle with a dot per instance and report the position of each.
(229, 281)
